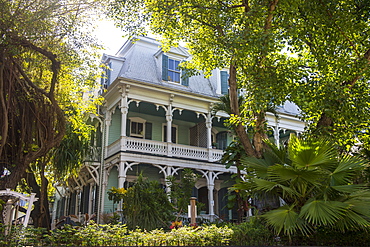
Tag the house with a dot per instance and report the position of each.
(157, 121)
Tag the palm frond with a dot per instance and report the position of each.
(320, 212)
(257, 166)
(274, 154)
(352, 221)
(346, 169)
(310, 153)
(348, 188)
(286, 220)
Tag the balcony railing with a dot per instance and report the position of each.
(164, 149)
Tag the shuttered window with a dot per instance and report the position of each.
(171, 71)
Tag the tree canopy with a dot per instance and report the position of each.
(313, 53)
(46, 58)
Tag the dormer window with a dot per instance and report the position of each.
(171, 71)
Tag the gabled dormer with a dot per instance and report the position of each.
(170, 61)
(111, 66)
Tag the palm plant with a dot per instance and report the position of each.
(314, 184)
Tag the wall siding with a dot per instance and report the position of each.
(115, 127)
(112, 182)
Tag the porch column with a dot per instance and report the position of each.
(211, 187)
(169, 129)
(210, 176)
(277, 136)
(124, 111)
(276, 132)
(108, 121)
(91, 192)
(121, 174)
(209, 130)
(169, 122)
(166, 174)
(77, 203)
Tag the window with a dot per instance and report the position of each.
(171, 71)
(137, 129)
(221, 140)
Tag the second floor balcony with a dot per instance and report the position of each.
(165, 149)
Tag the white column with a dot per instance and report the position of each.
(103, 186)
(89, 208)
(209, 130)
(77, 203)
(108, 121)
(169, 122)
(169, 129)
(121, 174)
(276, 135)
(166, 174)
(124, 111)
(211, 201)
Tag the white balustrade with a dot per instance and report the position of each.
(161, 148)
(190, 152)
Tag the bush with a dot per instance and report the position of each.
(119, 235)
(252, 233)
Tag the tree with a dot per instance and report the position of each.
(315, 184)
(180, 191)
(275, 50)
(47, 68)
(42, 61)
(146, 205)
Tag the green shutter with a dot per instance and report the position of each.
(224, 82)
(148, 131)
(109, 69)
(185, 76)
(128, 127)
(164, 67)
(173, 135)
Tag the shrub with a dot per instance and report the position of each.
(252, 233)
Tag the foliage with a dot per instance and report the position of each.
(146, 205)
(47, 69)
(315, 184)
(299, 50)
(116, 194)
(180, 191)
(252, 233)
(119, 235)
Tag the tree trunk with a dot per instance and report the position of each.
(234, 107)
(260, 134)
(40, 214)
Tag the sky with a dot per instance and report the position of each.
(109, 36)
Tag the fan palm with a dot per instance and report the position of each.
(314, 183)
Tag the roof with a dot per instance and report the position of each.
(141, 61)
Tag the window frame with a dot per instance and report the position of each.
(137, 120)
(183, 80)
